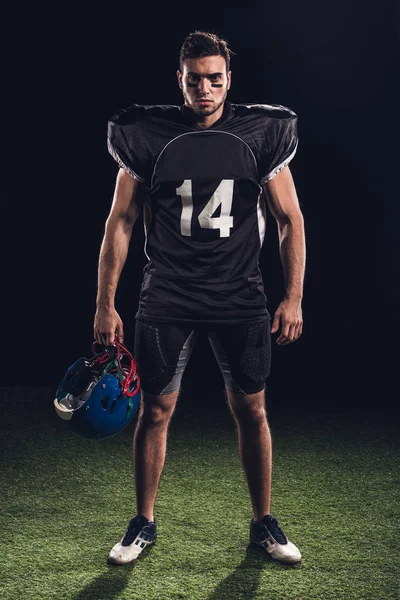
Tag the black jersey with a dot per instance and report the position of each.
(204, 217)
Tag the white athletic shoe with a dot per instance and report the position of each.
(270, 536)
(139, 534)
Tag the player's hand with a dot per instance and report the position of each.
(289, 316)
(107, 326)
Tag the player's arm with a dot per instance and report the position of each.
(127, 203)
(284, 205)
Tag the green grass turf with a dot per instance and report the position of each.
(65, 501)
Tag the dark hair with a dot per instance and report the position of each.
(204, 43)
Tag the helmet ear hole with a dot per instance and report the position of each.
(104, 401)
(113, 406)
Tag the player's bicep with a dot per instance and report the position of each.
(128, 198)
(282, 198)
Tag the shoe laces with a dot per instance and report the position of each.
(275, 530)
(135, 525)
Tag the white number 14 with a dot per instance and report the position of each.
(223, 196)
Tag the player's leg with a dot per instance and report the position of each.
(149, 448)
(161, 354)
(244, 354)
(255, 446)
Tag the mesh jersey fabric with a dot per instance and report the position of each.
(204, 214)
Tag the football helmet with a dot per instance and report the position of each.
(100, 395)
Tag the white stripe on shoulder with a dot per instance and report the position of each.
(271, 107)
(279, 168)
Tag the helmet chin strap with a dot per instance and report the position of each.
(65, 413)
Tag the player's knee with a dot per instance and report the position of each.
(157, 410)
(248, 409)
(250, 415)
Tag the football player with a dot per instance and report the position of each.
(202, 173)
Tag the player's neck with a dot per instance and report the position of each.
(202, 122)
(209, 120)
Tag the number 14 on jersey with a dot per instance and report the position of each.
(223, 196)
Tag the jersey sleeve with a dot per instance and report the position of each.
(280, 142)
(126, 143)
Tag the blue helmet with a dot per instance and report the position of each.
(99, 396)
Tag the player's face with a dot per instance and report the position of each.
(205, 83)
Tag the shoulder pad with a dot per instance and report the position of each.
(140, 112)
(274, 111)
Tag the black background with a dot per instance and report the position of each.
(67, 69)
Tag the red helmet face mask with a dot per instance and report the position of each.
(100, 395)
